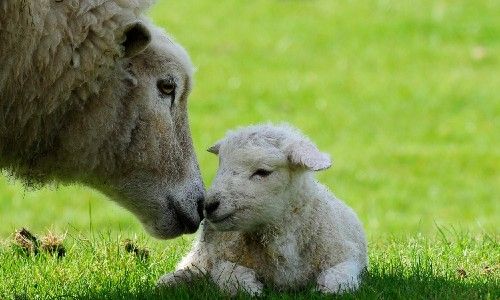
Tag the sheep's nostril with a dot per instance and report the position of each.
(211, 207)
(190, 223)
(199, 207)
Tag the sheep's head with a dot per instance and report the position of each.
(132, 139)
(161, 183)
(92, 92)
(259, 169)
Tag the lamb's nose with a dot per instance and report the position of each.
(211, 207)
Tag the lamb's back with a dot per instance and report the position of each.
(339, 235)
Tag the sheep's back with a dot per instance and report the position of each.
(52, 50)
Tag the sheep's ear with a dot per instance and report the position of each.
(215, 148)
(136, 38)
(305, 154)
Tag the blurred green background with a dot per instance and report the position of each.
(404, 95)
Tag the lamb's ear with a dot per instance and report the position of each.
(215, 148)
(303, 153)
(136, 38)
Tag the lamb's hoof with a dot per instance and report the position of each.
(247, 281)
(178, 277)
(167, 280)
(232, 278)
(336, 285)
(253, 288)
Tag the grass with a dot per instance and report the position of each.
(403, 95)
(449, 268)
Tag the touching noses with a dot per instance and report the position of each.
(191, 221)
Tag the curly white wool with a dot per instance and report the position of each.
(269, 222)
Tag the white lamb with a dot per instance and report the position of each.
(269, 222)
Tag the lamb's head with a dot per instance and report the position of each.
(260, 167)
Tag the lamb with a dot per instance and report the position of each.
(269, 222)
(92, 92)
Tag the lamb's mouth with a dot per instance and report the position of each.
(221, 219)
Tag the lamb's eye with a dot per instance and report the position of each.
(166, 87)
(262, 173)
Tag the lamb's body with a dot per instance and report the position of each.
(315, 238)
(317, 233)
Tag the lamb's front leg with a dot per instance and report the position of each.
(186, 275)
(340, 278)
(230, 277)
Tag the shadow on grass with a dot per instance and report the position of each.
(421, 286)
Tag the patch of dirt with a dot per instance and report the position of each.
(28, 244)
(131, 247)
(490, 270)
(462, 273)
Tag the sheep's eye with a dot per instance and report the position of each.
(166, 87)
(262, 173)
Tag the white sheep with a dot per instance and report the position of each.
(269, 222)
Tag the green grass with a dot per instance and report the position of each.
(404, 95)
(100, 269)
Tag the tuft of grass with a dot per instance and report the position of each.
(25, 242)
(53, 244)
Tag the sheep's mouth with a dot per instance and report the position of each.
(221, 219)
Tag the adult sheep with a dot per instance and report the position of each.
(92, 92)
